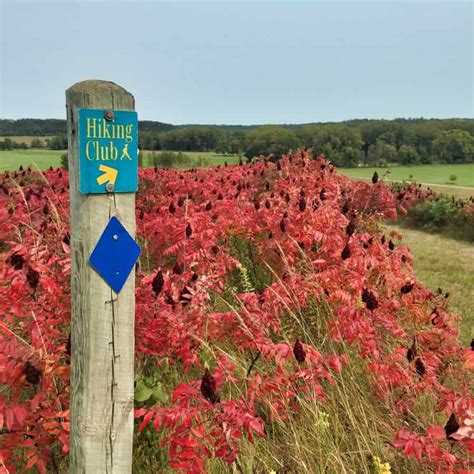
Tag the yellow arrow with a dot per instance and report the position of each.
(110, 175)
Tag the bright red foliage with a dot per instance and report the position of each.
(316, 230)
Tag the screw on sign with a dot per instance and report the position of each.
(109, 115)
(103, 175)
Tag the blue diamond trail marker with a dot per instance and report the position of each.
(108, 151)
(115, 255)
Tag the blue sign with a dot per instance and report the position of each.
(115, 255)
(108, 151)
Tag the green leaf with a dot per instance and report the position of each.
(142, 392)
(159, 394)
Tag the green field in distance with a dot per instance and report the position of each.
(43, 159)
(429, 174)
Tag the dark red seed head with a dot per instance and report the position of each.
(17, 261)
(256, 205)
(32, 374)
(208, 206)
(369, 299)
(158, 282)
(33, 278)
(346, 252)
(172, 208)
(322, 194)
(181, 201)
(45, 210)
(299, 352)
(178, 268)
(411, 352)
(451, 426)
(267, 204)
(208, 388)
(406, 288)
(278, 166)
(375, 177)
(391, 245)
(141, 215)
(302, 204)
(189, 231)
(282, 225)
(220, 197)
(287, 198)
(351, 228)
(420, 367)
(67, 238)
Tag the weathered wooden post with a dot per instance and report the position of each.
(102, 160)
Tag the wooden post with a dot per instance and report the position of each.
(102, 322)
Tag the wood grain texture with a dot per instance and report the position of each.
(102, 322)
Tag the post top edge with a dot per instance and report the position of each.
(96, 84)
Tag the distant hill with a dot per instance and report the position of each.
(32, 127)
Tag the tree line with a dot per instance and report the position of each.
(345, 144)
(53, 143)
(350, 143)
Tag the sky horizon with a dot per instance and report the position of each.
(242, 63)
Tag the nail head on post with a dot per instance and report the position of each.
(109, 115)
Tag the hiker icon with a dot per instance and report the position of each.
(125, 153)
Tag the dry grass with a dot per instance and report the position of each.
(441, 262)
(342, 434)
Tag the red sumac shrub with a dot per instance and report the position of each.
(293, 213)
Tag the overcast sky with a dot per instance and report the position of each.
(242, 62)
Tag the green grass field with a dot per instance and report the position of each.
(429, 174)
(441, 262)
(43, 159)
